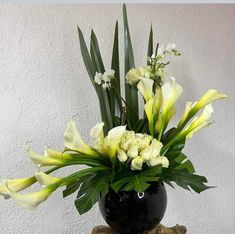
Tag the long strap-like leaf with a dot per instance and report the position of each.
(91, 66)
(150, 43)
(115, 93)
(130, 91)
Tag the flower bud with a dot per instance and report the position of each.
(137, 163)
(122, 155)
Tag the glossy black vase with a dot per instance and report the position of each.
(132, 212)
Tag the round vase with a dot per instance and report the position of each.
(133, 212)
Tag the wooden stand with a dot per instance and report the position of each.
(160, 229)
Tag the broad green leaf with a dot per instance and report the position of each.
(127, 180)
(130, 91)
(91, 192)
(175, 150)
(188, 180)
(150, 43)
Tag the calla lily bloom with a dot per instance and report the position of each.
(74, 142)
(16, 185)
(208, 97)
(97, 133)
(188, 108)
(112, 140)
(145, 86)
(42, 160)
(45, 179)
(171, 91)
(198, 122)
(31, 200)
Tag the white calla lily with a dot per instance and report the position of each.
(42, 160)
(31, 200)
(73, 140)
(208, 97)
(45, 179)
(16, 185)
(97, 134)
(51, 153)
(171, 91)
(112, 140)
(198, 122)
(145, 86)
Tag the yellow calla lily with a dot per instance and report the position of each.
(208, 97)
(45, 179)
(112, 140)
(16, 185)
(31, 200)
(97, 133)
(74, 142)
(198, 122)
(148, 108)
(42, 160)
(171, 91)
(145, 86)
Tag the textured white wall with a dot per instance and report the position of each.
(43, 83)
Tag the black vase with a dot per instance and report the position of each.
(133, 212)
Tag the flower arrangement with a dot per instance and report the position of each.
(129, 151)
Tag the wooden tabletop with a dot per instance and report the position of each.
(160, 229)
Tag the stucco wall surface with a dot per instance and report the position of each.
(43, 82)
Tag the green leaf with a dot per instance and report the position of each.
(86, 57)
(130, 91)
(188, 180)
(175, 150)
(150, 43)
(127, 180)
(95, 53)
(91, 192)
(115, 92)
(73, 187)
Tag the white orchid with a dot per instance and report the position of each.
(104, 79)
